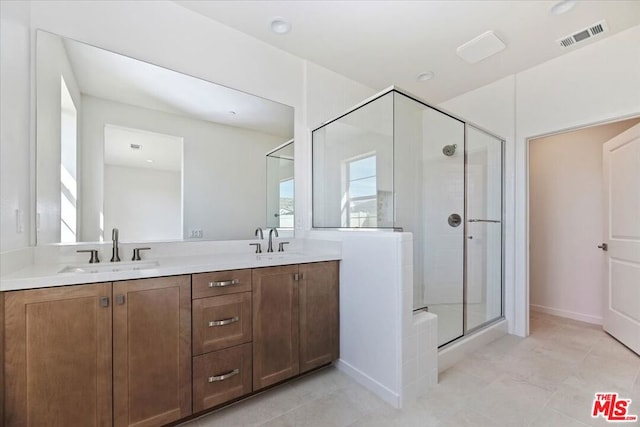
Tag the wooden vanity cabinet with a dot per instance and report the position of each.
(295, 320)
(151, 351)
(121, 354)
(99, 355)
(64, 379)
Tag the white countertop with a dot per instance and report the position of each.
(43, 275)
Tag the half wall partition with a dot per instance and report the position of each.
(395, 162)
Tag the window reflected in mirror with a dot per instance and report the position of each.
(280, 187)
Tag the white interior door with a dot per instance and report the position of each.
(621, 157)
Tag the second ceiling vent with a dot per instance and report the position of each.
(585, 34)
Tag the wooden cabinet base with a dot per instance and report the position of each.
(221, 376)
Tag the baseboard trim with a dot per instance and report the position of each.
(369, 383)
(567, 314)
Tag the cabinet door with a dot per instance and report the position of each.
(64, 379)
(275, 325)
(319, 314)
(152, 351)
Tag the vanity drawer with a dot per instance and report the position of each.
(221, 376)
(221, 283)
(221, 322)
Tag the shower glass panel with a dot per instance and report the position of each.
(353, 168)
(429, 176)
(395, 162)
(484, 228)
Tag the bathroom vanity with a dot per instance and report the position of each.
(149, 351)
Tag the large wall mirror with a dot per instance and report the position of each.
(158, 154)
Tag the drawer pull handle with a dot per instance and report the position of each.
(223, 377)
(224, 321)
(223, 283)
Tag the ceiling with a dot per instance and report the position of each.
(104, 74)
(383, 43)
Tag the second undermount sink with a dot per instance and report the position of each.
(110, 267)
(277, 255)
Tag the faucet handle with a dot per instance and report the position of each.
(94, 255)
(136, 253)
(258, 247)
(281, 246)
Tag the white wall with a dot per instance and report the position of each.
(595, 83)
(566, 222)
(15, 158)
(144, 204)
(213, 155)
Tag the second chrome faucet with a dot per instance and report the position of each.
(115, 257)
(270, 246)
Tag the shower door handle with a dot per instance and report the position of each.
(495, 221)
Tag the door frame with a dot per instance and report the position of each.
(527, 213)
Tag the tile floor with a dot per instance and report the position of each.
(548, 379)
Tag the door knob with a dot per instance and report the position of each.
(604, 247)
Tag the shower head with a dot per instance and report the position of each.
(448, 150)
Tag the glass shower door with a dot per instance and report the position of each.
(484, 229)
(429, 189)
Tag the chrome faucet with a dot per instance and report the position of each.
(270, 247)
(114, 252)
(259, 233)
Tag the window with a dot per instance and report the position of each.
(285, 214)
(362, 200)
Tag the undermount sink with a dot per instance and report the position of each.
(110, 267)
(277, 255)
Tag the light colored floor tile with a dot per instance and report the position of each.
(545, 380)
(333, 410)
(551, 418)
(510, 401)
(468, 418)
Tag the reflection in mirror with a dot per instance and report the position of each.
(158, 154)
(280, 186)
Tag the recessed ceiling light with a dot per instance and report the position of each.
(563, 6)
(423, 77)
(149, 161)
(279, 25)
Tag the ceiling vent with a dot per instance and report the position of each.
(585, 34)
(135, 147)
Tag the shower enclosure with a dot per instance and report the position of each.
(395, 162)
